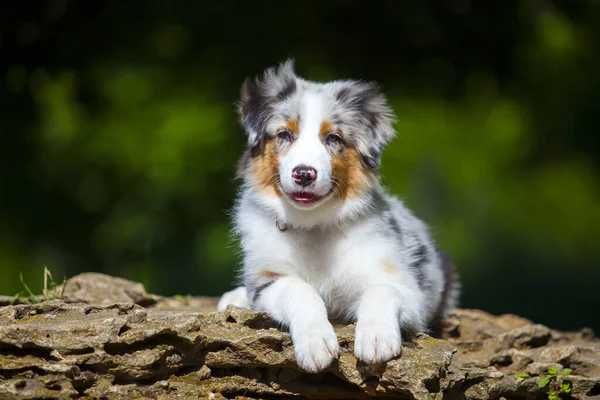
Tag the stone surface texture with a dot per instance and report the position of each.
(109, 339)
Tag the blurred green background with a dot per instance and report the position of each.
(119, 136)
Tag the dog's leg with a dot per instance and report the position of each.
(295, 304)
(382, 311)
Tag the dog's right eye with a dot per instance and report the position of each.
(285, 135)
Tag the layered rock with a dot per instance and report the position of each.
(110, 339)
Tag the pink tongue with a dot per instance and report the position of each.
(303, 196)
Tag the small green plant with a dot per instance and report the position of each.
(523, 376)
(557, 385)
(50, 291)
(185, 299)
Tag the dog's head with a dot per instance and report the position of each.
(310, 142)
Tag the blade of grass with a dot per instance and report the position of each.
(15, 298)
(64, 284)
(47, 274)
(44, 290)
(29, 292)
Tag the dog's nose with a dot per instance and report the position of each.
(304, 175)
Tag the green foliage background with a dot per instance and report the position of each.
(119, 136)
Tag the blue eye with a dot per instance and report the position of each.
(285, 135)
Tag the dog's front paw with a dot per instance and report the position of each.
(238, 297)
(377, 342)
(316, 346)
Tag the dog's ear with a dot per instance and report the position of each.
(373, 116)
(258, 95)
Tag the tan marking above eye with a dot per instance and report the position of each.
(292, 126)
(326, 127)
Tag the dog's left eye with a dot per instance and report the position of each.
(285, 135)
(334, 139)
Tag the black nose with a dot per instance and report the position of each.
(304, 175)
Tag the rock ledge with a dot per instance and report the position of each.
(110, 339)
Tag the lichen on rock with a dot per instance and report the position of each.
(110, 339)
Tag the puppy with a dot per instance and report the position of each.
(320, 236)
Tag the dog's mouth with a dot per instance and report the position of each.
(307, 198)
